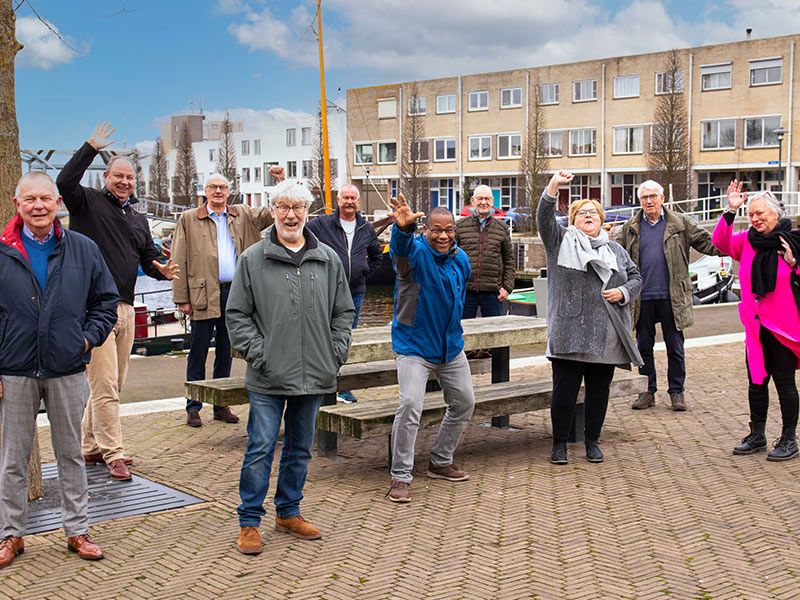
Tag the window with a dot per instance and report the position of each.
(626, 86)
(387, 152)
(628, 140)
(718, 135)
(509, 145)
(269, 180)
(444, 149)
(584, 90)
(416, 106)
(480, 147)
(479, 100)
(760, 132)
(715, 77)
(664, 82)
(766, 72)
(211, 155)
(446, 103)
(548, 93)
(307, 168)
(362, 155)
(551, 143)
(305, 134)
(582, 142)
(419, 151)
(291, 137)
(245, 147)
(291, 169)
(511, 98)
(257, 174)
(508, 192)
(387, 108)
(257, 147)
(246, 175)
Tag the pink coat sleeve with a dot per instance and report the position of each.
(727, 242)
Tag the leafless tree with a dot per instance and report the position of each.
(534, 161)
(415, 155)
(668, 158)
(184, 189)
(136, 161)
(159, 181)
(226, 157)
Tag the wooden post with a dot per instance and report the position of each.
(35, 483)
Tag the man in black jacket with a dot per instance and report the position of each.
(58, 302)
(123, 235)
(354, 240)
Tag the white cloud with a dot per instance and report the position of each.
(252, 118)
(42, 48)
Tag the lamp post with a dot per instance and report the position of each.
(779, 132)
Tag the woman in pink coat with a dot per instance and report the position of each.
(767, 253)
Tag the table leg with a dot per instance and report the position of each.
(500, 373)
(326, 440)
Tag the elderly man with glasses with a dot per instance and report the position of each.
(207, 243)
(659, 241)
(290, 315)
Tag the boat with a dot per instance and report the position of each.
(712, 280)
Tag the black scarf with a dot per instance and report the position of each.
(765, 264)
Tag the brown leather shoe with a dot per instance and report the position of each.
(119, 470)
(193, 419)
(93, 459)
(249, 541)
(298, 527)
(399, 491)
(225, 415)
(10, 548)
(85, 547)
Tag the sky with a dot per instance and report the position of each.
(135, 62)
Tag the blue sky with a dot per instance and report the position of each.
(133, 62)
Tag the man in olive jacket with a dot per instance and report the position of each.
(208, 240)
(659, 242)
(290, 315)
(487, 243)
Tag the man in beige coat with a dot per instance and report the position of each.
(208, 241)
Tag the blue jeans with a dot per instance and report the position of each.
(263, 425)
(358, 300)
(490, 305)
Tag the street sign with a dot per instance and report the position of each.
(773, 162)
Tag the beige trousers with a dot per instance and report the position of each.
(102, 431)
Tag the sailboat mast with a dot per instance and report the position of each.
(323, 103)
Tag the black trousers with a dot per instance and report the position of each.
(203, 331)
(781, 364)
(650, 313)
(567, 378)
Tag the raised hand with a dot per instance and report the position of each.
(277, 172)
(99, 139)
(736, 196)
(403, 216)
(558, 179)
(169, 270)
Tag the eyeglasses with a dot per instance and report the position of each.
(217, 186)
(649, 197)
(447, 230)
(482, 200)
(283, 209)
(587, 212)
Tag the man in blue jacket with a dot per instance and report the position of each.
(355, 242)
(432, 275)
(58, 301)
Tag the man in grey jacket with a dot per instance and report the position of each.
(290, 315)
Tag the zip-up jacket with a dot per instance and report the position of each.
(122, 234)
(366, 254)
(428, 297)
(290, 322)
(490, 254)
(42, 332)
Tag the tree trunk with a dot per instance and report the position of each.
(11, 169)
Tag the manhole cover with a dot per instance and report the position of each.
(108, 499)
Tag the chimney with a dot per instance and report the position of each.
(749, 31)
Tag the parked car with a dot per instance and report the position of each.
(522, 217)
(620, 212)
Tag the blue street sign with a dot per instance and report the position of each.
(773, 162)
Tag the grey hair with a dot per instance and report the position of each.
(772, 201)
(349, 185)
(31, 176)
(482, 186)
(217, 176)
(117, 158)
(291, 189)
(650, 185)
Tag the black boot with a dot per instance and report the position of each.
(593, 452)
(753, 442)
(785, 447)
(559, 454)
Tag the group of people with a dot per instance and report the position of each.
(287, 302)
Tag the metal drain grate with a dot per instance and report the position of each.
(108, 499)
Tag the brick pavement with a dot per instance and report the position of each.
(670, 514)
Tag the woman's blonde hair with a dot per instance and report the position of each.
(576, 206)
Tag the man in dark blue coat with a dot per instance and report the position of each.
(354, 240)
(57, 302)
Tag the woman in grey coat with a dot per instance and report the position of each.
(591, 282)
